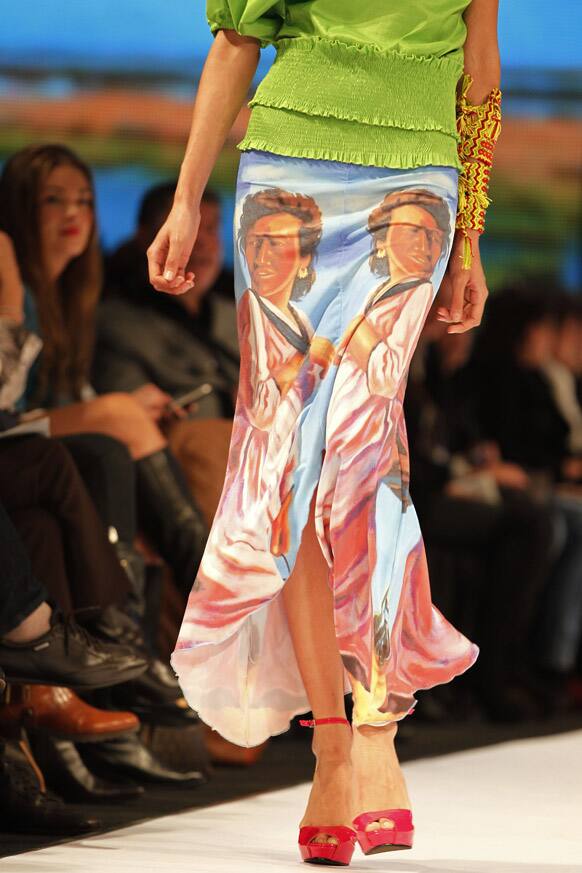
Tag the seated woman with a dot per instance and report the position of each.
(51, 280)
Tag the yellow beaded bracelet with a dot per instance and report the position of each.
(478, 127)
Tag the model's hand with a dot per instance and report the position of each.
(463, 293)
(170, 251)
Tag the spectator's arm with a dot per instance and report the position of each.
(11, 287)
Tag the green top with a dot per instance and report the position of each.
(353, 80)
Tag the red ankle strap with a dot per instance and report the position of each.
(313, 721)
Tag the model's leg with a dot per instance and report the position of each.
(309, 607)
(378, 779)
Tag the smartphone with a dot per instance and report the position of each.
(191, 396)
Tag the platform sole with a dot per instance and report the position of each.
(386, 847)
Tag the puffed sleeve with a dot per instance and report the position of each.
(261, 19)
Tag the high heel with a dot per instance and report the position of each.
(333, 854)
(384, 839)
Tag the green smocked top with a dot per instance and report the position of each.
(365, 81)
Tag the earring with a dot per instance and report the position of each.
(381, 253)
(302, 273)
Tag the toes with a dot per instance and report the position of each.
(324, 838)
(381, 823)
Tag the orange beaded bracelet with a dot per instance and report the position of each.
(478, 127)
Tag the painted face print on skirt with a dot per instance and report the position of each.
(336, 268)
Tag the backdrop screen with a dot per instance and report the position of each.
(115, 80)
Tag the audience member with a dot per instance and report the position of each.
(38, 643)
(507, 383)
(208, 309)
(470, 500)
(179, 343)
(50, 239)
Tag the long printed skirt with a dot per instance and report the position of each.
(336, 268)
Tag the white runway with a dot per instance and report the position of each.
(513, 808)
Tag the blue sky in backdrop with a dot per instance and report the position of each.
(146, 34)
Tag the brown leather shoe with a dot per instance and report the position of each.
(58, 711)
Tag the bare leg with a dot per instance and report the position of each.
(309, 607)
(379, 782)
(33, 626)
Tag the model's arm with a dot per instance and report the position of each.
(224, 84)
(463, 292)
(481, 49)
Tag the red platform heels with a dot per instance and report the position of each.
(384, 839)
(333, 854)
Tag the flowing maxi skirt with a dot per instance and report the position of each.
(336, 267)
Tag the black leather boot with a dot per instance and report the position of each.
(65, 771)
(131, 756)
(28, 806)
(169, 516)
(134, 566)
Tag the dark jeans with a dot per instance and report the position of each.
(20, 592)
(66, 540)
(512, 543)
(108, 472)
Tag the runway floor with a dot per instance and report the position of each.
(509, 808)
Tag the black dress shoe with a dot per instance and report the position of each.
(129, 755)
(155, 696)
(112, 624)
(26, 807)
(64, 771)
(157, 684)
(69, 655)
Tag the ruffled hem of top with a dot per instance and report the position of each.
(398, 160)
(314, 107)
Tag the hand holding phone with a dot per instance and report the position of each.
(178, 404)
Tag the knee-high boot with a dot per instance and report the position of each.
(169, 515)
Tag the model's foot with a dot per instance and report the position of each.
(378, 779)
(331, 798)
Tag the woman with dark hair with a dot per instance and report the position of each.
(364, 111)
(47, 217)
